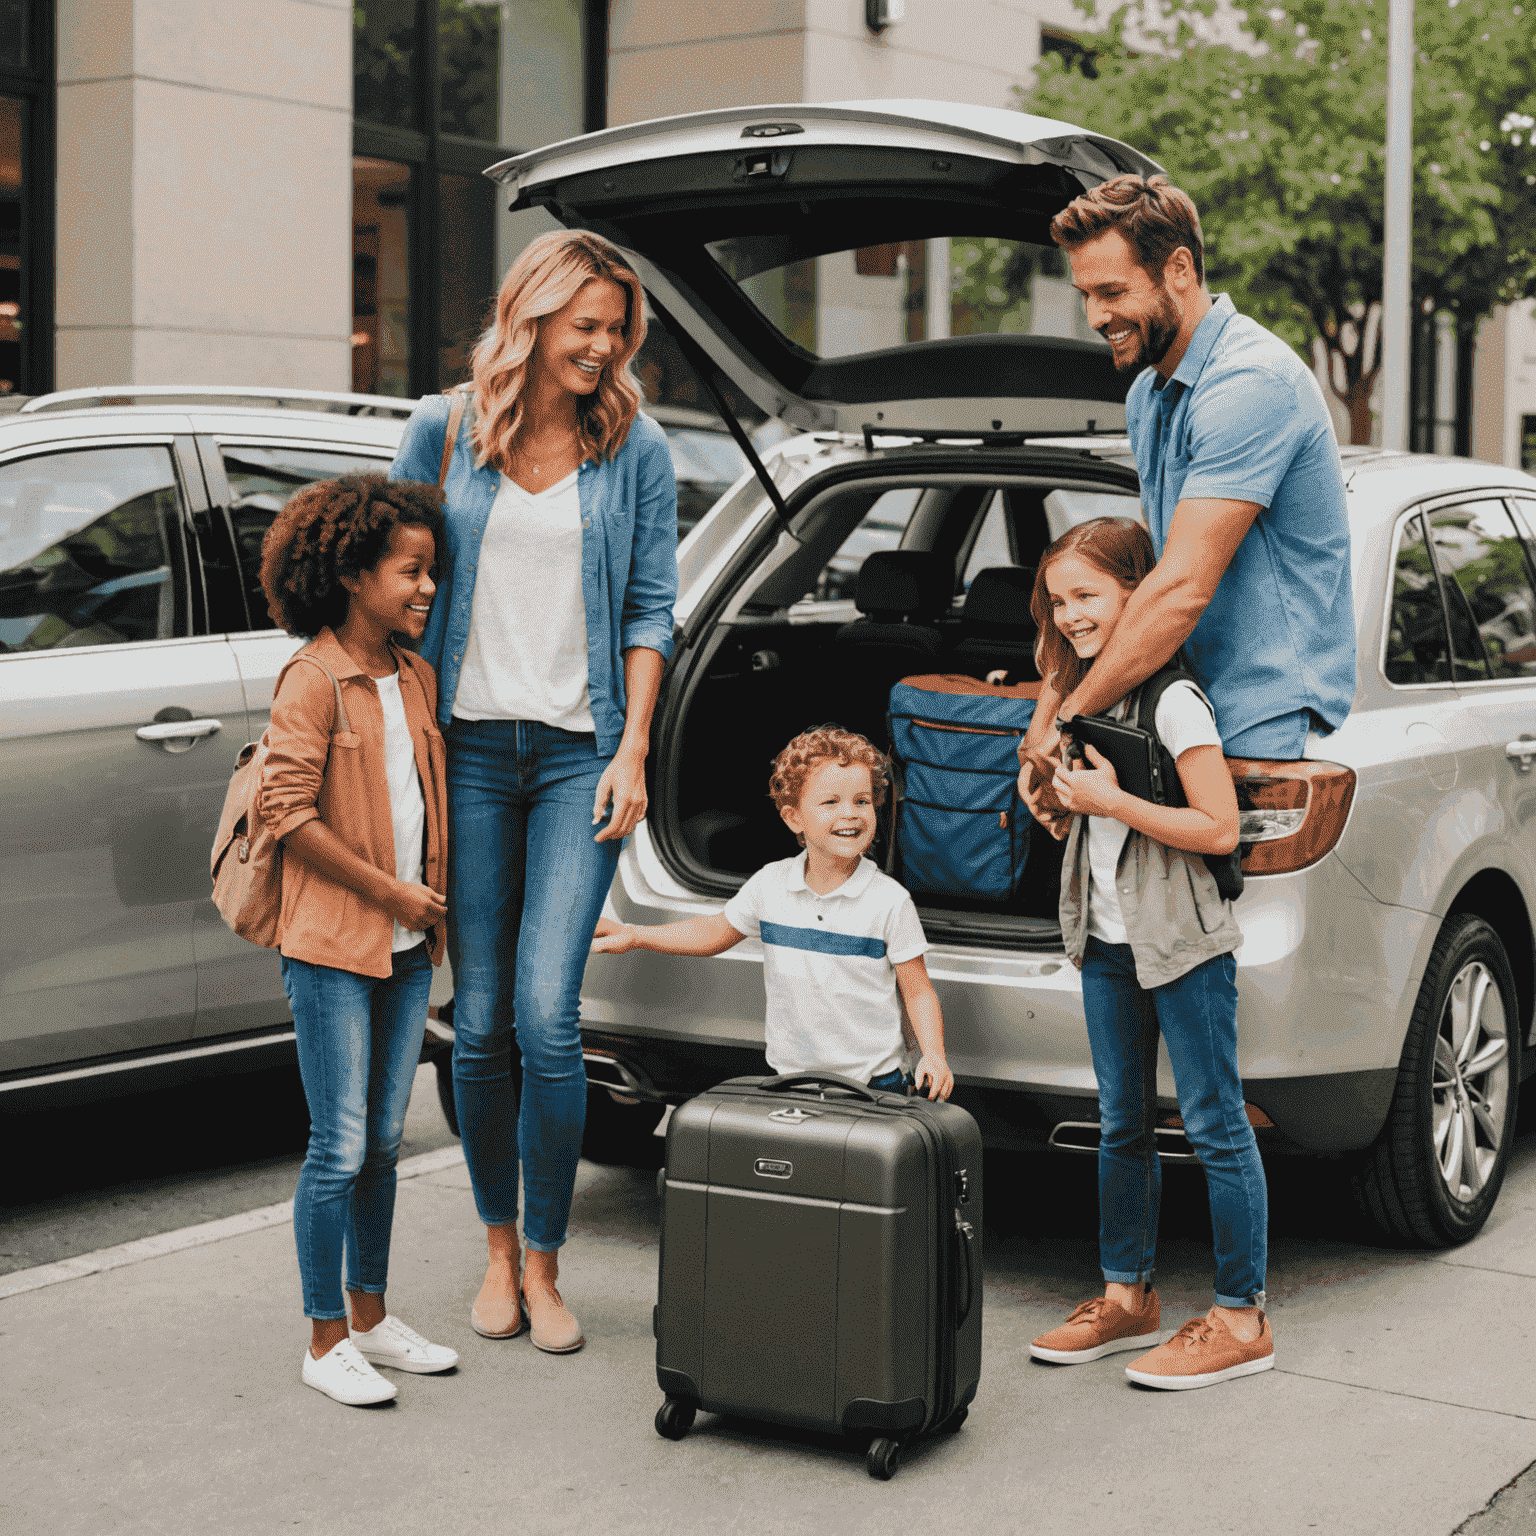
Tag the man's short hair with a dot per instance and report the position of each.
(1153, 216)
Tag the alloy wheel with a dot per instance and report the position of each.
(1470, 1085)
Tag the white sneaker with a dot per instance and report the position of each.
(342, 1373)
(392, 1343)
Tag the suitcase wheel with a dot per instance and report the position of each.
(954, 1421)
(674, 1419)
(883, 1459)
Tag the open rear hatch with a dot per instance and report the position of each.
(792, 246)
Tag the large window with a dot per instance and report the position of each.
(443, 89)
(26, 197)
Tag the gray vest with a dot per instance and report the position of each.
(1174, 917)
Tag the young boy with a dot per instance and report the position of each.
(840, 939)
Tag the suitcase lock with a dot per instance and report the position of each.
(962, 1187)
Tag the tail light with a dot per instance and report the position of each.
(1290, 814)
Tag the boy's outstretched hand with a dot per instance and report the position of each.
(934, 1072)
(611, 938)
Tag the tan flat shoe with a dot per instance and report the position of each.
(519, 1321)
(552, 1327)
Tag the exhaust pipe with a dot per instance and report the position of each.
(625, 1084)
(1083, 1136)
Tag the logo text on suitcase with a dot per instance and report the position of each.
(773, 1168)
(794, 1116)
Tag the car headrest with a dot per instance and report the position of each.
(903, 583)
(997, 604)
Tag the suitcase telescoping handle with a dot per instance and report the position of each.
(787, 1080)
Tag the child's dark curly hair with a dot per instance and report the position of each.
(825, 744)
(336, 528)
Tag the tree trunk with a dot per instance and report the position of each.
(1357, 401)
(1466, 348)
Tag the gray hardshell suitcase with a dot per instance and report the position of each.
(820, 1261)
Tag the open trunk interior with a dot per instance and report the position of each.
(787, 647)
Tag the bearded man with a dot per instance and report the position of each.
(1240, 484)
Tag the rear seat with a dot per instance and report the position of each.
(997, 631)
(902, 594)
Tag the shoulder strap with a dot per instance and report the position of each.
(1151, 696)
(341, 709)
(460, 397)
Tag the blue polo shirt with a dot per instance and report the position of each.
(1243, 419)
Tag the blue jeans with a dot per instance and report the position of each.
(526, 883)
(359, 1039)
(1197, 1015)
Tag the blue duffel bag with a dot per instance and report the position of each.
(961, 829)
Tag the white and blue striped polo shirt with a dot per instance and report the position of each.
(829, 966)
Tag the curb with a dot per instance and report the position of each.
(157, 1247)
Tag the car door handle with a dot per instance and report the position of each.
(1522, 752)
(176, 730)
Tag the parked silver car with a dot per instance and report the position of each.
(1387, 972)
(136, 658)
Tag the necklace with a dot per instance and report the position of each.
(537, 468)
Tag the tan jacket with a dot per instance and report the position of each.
(315, 769)
(1174, 916)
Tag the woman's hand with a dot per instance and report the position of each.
(417, 907)
(1091, 791)
(934, 1071)
(623, 782)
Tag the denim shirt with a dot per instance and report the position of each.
(1243, 419)
(628, 554)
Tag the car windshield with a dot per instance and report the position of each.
(842, 303)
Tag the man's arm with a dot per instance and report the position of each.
(1164, 609)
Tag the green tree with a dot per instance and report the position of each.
(1281, 146)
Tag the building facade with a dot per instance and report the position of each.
(288, 193)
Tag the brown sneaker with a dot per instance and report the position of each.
(1099, 1327)
(1203, 1352)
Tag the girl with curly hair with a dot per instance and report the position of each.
(549, 636)
(842, 944)
(353, 787)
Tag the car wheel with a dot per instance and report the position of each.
(443, 1065)
(621, 1133)
(1434, 1172)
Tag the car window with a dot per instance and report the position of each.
(1066, 509)
(882, 528)
(261, 479)
(1416, 645)
(1468, 540)
(90, 549)
(706, 464)
(991, 546)
(1492, 568)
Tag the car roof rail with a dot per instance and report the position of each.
(220, 394)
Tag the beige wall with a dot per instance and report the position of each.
(668, 56)
(204, 192)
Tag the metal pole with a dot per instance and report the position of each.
(938, 288)
(1397, 257)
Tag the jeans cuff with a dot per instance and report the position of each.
(1126, 1277)
(534, 1247)
(365, 1290)
(326, 1317)
(1257, 1299)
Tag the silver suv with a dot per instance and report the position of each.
(136, 657)
(825, 259)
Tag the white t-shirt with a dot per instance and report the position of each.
(829, 967)
(526, 657)
(407, 808)
(1184, 720)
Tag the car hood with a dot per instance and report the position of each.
(707, 201)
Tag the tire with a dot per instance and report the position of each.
(674, 1419)
(883, 1459)
(443, 1064)
(1434, 1172)
(955, 1420)
(621, 1133)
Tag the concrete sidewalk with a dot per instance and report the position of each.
(163, 1395)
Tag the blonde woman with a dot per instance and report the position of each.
(552, 623)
